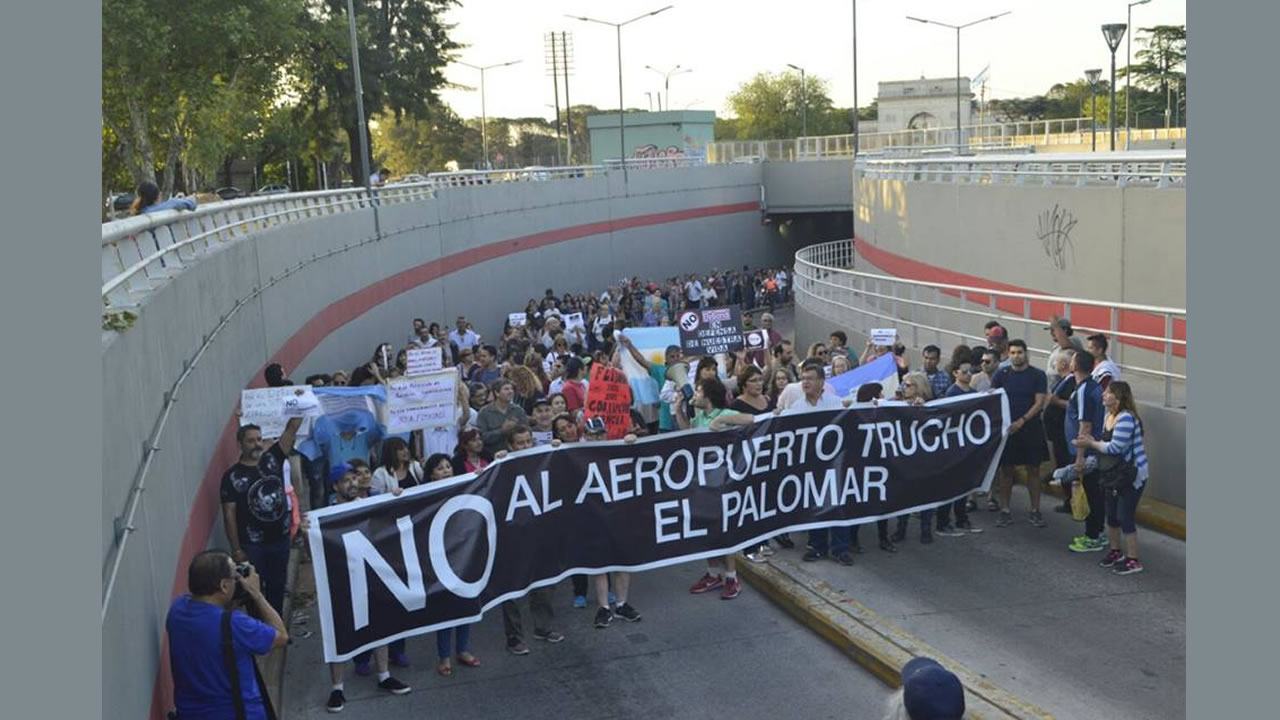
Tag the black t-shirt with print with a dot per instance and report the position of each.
(258, 491)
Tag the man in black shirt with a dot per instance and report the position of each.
(255, 507)
(1025, 449)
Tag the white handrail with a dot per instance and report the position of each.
(825, 279)
(151, 247)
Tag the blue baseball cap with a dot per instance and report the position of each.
(930, 691)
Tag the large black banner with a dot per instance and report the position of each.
(441, 555)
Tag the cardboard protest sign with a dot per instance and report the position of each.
(884, 336)
(271, 408)
(424, 360)
(609, 397)
(420, 402)
(710, 331)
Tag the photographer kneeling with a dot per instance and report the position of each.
(212, 644)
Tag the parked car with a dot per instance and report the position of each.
(409, 179)
(535, 173)
(229, 193)
(279, 189)
(120, 202)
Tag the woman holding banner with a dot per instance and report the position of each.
(441, 468)
(754, 401)
(710, 401)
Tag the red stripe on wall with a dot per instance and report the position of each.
(205, 509)
(1097, 317)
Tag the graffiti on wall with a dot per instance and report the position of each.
(1054, 232)
(652, 151)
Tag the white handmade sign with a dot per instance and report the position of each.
(421, 361)
(271, 408)
(517, 319)
(420, 402)
(884, 336)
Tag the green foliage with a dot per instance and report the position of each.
(771, 107)
(175, 78)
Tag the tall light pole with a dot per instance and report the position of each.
(1128, 43)
(622, 133)
(666, 81)
(1112, 33)
(355, 69)
(855, 84)
(959, 89)
(1092, 76)
(484, 115)
(804, 101)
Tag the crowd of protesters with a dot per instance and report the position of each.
(528, 388)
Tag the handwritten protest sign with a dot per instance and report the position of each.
(574, 321)
(517, 319)
(609, 397)
(271, 408)
(420, 402)
(424, 360)
(884, 336)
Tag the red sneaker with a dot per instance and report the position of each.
(732, 586)
(708, 582)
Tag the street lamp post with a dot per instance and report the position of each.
(622, 134)
(804, 101)
(1092, 76)
(355, 69)
(1112, 32)
(959, 89)
(1128, 44)
(666, 82)
(484, 115)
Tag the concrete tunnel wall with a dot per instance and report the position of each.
(480, 251)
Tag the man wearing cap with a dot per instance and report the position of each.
(929, 692)
(1064, 342)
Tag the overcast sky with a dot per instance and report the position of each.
(727, 42)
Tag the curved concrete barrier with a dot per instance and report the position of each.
(318, 296)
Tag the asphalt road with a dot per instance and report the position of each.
(691, 656)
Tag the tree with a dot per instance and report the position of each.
(770, 107)
(404, 47)
(175, 77)
(1161, 65)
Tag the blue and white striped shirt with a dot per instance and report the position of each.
(1126, 441)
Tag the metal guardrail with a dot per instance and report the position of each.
(140, 252)
(1069, 131)
(826, 284)
(1151, 169)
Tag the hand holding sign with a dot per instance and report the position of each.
(884, 336)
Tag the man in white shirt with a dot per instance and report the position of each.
(1104, 369)
(693, 292)
(464, 337)
(813, 391)
(781, 279)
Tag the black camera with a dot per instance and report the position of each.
(241, 596)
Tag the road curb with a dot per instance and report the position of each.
(870, 640)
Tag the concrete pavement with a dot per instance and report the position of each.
(1023, 613)
(691, 656)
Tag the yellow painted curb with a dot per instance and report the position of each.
(870, 640)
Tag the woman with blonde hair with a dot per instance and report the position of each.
(1122, 441)
(528, 389)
